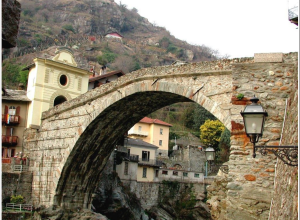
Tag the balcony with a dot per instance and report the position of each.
(9, 140)
(11, 119)
(6, 160)
(138, 133)
(151, 162)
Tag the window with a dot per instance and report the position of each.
(164, 172)
(12, 110)
(59, 99)
(161, 131)
(185, 174)
(156, 173)
(126, 168)
(145, 155)
(175, 173)
(196, 175)
(140, 128)
(144, 172)
(160, 142)
(63, 80)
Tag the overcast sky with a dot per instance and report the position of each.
(238, 28)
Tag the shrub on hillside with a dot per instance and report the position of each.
(18, 199)
(69, 27)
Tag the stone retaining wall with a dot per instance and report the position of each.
(148, 192)
(285, 199)
(17, 184)
(250, 186)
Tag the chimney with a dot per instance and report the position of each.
(103, 70)
(21, 86)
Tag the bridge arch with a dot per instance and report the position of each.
(79, 135)
(76, 137)
(107, 127)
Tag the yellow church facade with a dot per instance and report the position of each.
(51, 82)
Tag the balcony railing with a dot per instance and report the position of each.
(137, 132)
(122, 149)
(151, 162)
(6, 160)
(9, 140)
(10, 119)
(132, 158)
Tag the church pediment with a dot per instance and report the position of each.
(65, 55)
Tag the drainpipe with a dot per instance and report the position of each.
(275, 174)
(205, 168)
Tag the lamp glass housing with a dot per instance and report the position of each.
(210, 154)
(254, 119)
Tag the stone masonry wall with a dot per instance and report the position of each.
(17, 184)
(285, 199)
(148, 192)
(250, 186)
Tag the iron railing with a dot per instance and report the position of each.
(6, 160)
(137, 132)
(20, 168)
(10, 119)
(132, 157)
(19, 207)
(9, 140)
(151, 162)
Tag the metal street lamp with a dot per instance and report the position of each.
(254, 119)
(210, 156)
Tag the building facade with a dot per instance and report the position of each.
(15, 106)
(152, 131)
(51, 82)
(145, 167)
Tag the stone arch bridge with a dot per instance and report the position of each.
(75, 139)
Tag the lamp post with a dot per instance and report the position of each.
(254, 119)
(115, 160)
(210, 156)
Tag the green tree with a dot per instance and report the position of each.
(12, 74)
(224, 146)
(200, 114)
(107, 57)
(210, 133)
(23, 77)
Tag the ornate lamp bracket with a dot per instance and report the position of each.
(288, 154)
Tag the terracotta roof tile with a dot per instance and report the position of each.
(154, 121)
(117, 72)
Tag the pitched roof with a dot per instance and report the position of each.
(114, 34)
(154, 121)
(138, 142)
(15, 95)
(117, 72)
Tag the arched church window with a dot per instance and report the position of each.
(59, 99)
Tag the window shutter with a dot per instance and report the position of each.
(18, 110)
(7, 131)
(6, 109)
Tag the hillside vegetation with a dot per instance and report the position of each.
(82, 26)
